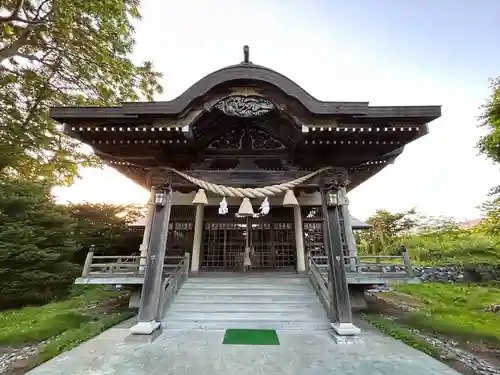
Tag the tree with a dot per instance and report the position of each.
(489, 144)
(62, 53)
(437, 224)
(107, 227)
(490, 223)
(386, 226)
(36, 244)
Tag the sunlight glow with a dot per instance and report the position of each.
(330, 59)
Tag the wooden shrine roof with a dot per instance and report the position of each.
(299, 133)
(244, 73)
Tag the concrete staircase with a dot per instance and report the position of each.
(258, 301)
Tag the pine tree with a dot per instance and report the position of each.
(36, 244)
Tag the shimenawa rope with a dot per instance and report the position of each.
(263, 192)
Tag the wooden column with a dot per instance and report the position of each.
(197, 238)
(152, 286)
(147, 231)
(349, 234)
(299, 239)
(339, 293)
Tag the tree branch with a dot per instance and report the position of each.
(14, 15)
(10, 51)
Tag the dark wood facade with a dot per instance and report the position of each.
(247, 126)
(251, 125)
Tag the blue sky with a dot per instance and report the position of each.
(388, 52)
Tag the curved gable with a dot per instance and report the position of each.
(252, 74)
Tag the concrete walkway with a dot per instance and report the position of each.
(201, 352)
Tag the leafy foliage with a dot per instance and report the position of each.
(433, 240)
(489, 144)
(62, 53)
(453, 248)
(386, 226)
(491, 212)
(106, 227)
(36, 244)
(43, 244)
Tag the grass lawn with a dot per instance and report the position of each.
(450, 312)
(63, 324)
(455, 310)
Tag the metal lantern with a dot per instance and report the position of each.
(332, 198)
(160, 198)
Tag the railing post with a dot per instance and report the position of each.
(186, 266)
(88, 261)
(407, 261)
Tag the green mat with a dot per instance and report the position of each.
(251, 337)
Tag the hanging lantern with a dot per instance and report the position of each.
(200, 197)
(290, 200)
(223, 210)
(160, 198)
(332, 198)
(246, 208)
(264, 207)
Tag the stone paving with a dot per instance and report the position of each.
(201, 352)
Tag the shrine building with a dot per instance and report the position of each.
(243, 158)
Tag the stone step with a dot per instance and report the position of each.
(246, 307)
(245, 286)
(248, 275)
(253, 299)
(249, 280)
(245, 324)
(244, 292)
(239, 316)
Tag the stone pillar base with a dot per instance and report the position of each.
(145, 328)
(345, 329)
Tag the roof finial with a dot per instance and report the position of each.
(246, 54)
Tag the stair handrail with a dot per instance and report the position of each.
(319, 281)
(171, 284)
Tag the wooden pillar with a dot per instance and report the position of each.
(152, 286)
(349, 234)
(88, 261)
(147, 231)
(299, 239)
(339, 293)
(197, 238)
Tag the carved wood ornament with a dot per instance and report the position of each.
(246, 139)
(245, 106)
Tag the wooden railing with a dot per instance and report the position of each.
(122, 266)
(370, 265)
(319, 281)
(172, 283)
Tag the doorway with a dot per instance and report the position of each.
(271, 237)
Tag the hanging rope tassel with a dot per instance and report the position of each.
(246, 208)
(200, 198)
(290, 200)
